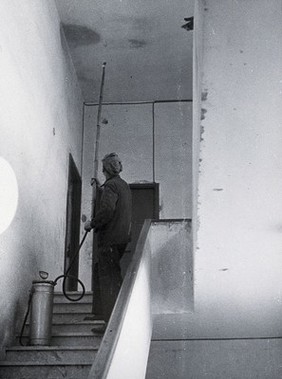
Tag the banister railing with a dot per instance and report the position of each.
(124, 350)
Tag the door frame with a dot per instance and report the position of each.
(126, 259)
(73, 211)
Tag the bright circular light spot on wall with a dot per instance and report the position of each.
(8, 194)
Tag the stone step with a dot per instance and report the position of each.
(70, 317)
(60, 298)
(71, 339)
(51, 354)
(35, 370)
(77, 326)
(70, 307)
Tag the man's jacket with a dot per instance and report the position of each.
(112, 221)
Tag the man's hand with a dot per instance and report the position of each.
(95, 181)
(87, 226)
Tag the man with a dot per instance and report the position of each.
(112, 224)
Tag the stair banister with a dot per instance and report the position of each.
(124, 350)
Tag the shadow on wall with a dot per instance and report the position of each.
(172, 266)
(79, 35)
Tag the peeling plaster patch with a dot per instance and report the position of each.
(198, 224)
(79, 35)
(137, 43)
(204, 95)
(189, 23)
(203, 112)
(202, 132)
(187, 226)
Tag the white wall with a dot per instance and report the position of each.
(41, 123)
(238, 257)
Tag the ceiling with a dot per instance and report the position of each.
(148, 53)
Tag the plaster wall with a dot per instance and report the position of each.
(41, 123)
(154, 143)
(238, 257)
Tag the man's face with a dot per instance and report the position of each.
(105, 172)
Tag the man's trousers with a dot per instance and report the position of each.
(109, 278)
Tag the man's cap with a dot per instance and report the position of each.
(112, 164)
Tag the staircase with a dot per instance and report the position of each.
(73, 345)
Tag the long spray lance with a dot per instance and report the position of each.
(96, 309)
(97, 144)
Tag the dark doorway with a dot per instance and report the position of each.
(73, 224)
(145, 205)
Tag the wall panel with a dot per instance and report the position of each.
(173, 158)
